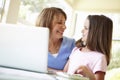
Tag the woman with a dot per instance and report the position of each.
(60, 46)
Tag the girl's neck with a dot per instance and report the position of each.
(85, 49)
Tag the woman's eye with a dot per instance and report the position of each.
(59, 23)
(62, 23)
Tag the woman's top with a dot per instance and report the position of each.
(64, 52)
(95, 61)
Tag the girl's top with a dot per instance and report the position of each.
(95, 61)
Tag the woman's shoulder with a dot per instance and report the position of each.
(68, 39)
(68, 42)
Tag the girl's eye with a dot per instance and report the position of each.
(86, 28)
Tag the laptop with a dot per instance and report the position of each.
(24, 47)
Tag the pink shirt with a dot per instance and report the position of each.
(95, 61)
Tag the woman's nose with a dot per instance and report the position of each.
(64, 26)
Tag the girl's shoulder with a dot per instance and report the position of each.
(75, 49)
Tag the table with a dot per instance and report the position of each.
(13, 74)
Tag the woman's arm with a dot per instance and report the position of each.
(53, 70)
(64, 70)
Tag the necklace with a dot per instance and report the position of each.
(54, 48)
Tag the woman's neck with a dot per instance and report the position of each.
(54, 45)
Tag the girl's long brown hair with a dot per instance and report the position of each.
(99, 35)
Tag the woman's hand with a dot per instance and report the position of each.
(53, 70)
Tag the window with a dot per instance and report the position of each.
(2, 4)
(81, 16)
(29, 10)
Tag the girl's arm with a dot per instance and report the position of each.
(99, 75)
(66, 67)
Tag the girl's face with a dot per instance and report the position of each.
(85, 31)
(58, 26)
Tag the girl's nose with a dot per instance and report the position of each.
(82, 30)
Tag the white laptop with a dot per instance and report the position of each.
(24, 47)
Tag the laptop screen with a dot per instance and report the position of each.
(24, 47)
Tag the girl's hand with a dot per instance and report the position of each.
(83, 70)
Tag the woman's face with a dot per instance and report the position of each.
(58, 26)
(85, 31)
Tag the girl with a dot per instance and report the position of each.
(92, 54)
